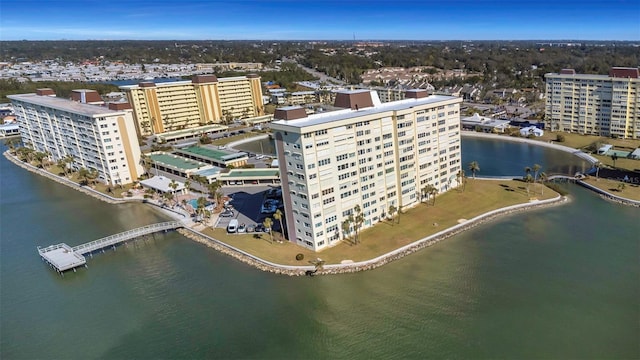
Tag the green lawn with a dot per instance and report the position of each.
(630, 191)
(479, 197)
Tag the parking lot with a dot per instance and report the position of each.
(247, 204)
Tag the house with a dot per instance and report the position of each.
(531, 130)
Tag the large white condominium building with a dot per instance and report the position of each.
(95, 136)
(370, 156)
(594, 104)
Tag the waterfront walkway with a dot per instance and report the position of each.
(63, 257)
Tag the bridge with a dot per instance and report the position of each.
(63, 257)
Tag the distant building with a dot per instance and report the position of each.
(96, 137)
(169, 106)
(604, 105)
(370, 155)
(485, 124)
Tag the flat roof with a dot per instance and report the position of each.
(251, 173)
(161, 183)
(65, 105)
(330, 116)
(586, 76)
(177, 162)
(206, 152)
(208, 172)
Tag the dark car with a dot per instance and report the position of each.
(227, 213)
(259, 228)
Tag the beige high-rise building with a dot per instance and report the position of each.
(594, 104)
(371, 155)
(96, 137)
(169, 106)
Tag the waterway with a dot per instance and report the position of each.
(560, 282)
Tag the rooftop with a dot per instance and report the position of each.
(218, 155)
(327, 117)
(177, 162)
(250, 173)
(65, 105)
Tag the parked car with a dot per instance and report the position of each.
(259, 228)
(242, 228)
(226, 213)
(251, 228)
(233, 226)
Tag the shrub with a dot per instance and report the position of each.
(560, 138)
(299, 257)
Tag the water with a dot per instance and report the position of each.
(560, 282)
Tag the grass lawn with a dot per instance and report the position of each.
(578, 141)
(630, 191)
(479, 197)
(116, 192)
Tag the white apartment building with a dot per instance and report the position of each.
(97, 137)
(605, 105)
(370, 154)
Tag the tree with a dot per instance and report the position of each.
(83, 173)
(39, 157)
(146, 163)
(528, 178)
(93, 176)
(62, 164)
(201, 203)
(278, 216)
(614, 157)
(346, 227)
(543, 179)
(474, 167)
(433, 191)
(461, 179)
(358, 220)
(12, 144)
(267, 225)
(187, 184)
(536, 168)
(168, 196)
(392, 211)
(621, 186)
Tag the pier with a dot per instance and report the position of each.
(63, 257)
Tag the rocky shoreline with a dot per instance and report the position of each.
(329, 269)
(335, 269)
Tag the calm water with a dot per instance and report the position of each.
(562, 282)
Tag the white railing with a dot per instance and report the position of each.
(124, 236)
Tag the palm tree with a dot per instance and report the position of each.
(187, 184)
(460, 178)
(93, 175)
(12, 144)
(474, 167)
(528, 179)
(201, 203)
(70, 160)
(346, 227)
(358, 221)
(621, 186)
(39, 157)
(278, 216)
(543, 179)
(62, 164)
(146, 163)
(83, 173)
(597, 165)
(168, 196)
(614, 157)
(392, 211)
(267, 225)
(535, 169)
(433, 191)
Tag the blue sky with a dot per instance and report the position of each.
(320, 19)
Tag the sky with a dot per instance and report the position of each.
(320, 20)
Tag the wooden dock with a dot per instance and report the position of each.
(62, 257)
